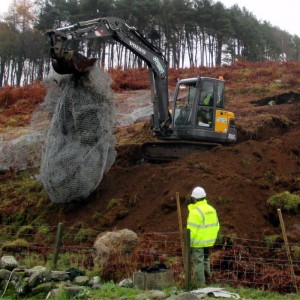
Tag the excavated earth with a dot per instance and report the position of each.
(239, 179)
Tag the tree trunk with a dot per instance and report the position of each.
(19, 71)
(219, 51)
(2, 71)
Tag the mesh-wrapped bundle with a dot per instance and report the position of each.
(80, 146)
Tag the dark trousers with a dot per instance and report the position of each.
(201, 265)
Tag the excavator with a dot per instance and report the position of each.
(198, 120)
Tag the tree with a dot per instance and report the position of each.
(202, 31)
(26, 45)
(221, 29)
(20, 15)
(9, 43)
(296, 42)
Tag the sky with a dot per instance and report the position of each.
(281, 13)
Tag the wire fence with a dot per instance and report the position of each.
(234, 261)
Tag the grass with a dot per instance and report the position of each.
(20, 193)
(251, 293)
(273, 241)
(84, 235)
(110, 290)
(285, 201)
(112, 203)
(270, 176)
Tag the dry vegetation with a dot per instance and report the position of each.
(17, 104)
(264, 162)
(244, 81)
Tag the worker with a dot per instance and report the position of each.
(204, 226)
(208, 99)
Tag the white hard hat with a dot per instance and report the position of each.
(198, 192)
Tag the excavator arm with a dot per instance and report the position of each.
(67, 61)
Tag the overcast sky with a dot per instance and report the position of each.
(281, 13)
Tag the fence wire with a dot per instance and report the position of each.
(234, 261)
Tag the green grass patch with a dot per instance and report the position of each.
(20, 193)
(285, 201)
(259, 294)
(273, 241)
(113, 203)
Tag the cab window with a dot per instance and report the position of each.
(220, 94)
(205, 117)
(184, 104)
(207, 94)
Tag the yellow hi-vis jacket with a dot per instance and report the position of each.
(203, 224)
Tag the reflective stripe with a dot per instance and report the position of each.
(203, 226)
(199, 242)
(201, 213)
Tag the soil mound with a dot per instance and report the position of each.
(139, 195)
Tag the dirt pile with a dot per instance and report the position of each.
(238, 179)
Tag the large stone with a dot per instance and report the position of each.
(152, 295)
(8, 262)
(72, 291)
(39, 277)
(59, 276)
(22, 287)
(127, 283)
(17, 275)
(45, 287)
(111, 242)
(187, 296)
(156, 280)
(4, 274)
(30, 271)
(22, 153)
(81, 280)
(80, 144)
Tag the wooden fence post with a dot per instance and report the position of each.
(287, 248)
(187, 263)
(59, 235)
(180, 223)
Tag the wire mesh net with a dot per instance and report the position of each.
(80, 146)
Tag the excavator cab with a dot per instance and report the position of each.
(199, 113)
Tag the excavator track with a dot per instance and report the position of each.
(163, 151)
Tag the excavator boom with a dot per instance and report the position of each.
(67, 61)
(199, 120)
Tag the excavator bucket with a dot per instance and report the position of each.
(72, 62)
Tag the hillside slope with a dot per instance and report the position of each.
(238, 179)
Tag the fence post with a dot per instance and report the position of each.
(180, 222)
(59, 234)
(287, 248)
(187, 263)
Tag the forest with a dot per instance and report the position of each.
(190, 33)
